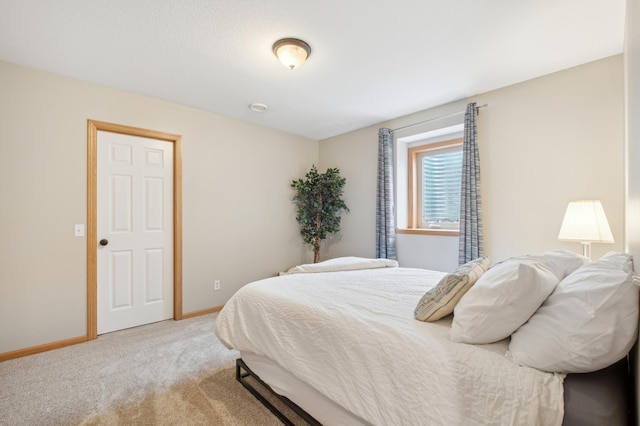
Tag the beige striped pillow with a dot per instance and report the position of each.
(440, 300)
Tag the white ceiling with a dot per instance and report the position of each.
(371, 60)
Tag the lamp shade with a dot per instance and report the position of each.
(585, 221)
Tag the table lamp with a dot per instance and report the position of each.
(585, 222)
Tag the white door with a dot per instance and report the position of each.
(135, 231)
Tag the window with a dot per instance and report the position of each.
(435, 173)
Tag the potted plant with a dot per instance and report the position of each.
(318, 198)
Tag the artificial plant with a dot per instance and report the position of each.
(318, 198)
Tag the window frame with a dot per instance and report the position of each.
(414, 154)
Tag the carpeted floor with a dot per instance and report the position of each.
(167, 373)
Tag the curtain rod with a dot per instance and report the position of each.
(438, 118)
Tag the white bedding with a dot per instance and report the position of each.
(351, 336)
(342, 264)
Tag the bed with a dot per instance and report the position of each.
(340, 341)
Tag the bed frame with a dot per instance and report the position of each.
(243, 372)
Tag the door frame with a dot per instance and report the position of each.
(93, 127)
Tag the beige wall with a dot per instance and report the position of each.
(542, 143)
(549, 141)
(238, 219)
(632, 91)
(632, 81)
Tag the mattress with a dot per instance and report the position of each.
(310, 400)
(591, 399)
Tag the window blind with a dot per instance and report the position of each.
(441, 183)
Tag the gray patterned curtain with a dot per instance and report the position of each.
(385, 220)
(470, 202)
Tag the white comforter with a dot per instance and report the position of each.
(352, 336)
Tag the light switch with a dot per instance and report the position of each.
(78, 230)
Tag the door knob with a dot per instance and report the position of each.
(104, 242)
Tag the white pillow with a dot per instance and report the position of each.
(623, 261)
(502, 300)
(562, 261)
(588, 323)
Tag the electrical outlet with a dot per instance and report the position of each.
(216, 285)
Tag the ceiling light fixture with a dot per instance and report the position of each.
(292, 52)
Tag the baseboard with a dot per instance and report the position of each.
(42, 348)
(202, 312)
(80, 339)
